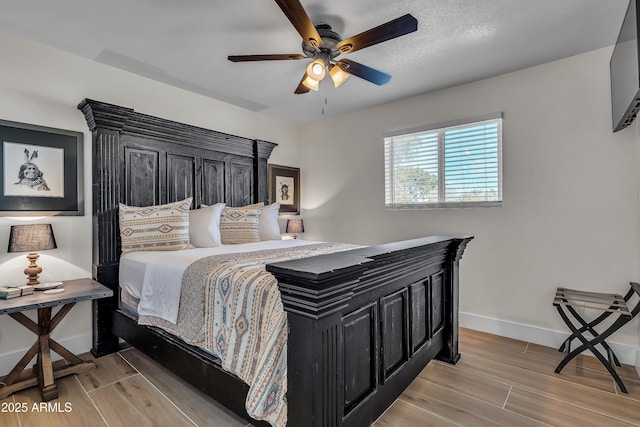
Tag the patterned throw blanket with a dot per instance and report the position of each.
(231, 306)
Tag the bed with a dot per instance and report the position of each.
(362, 322)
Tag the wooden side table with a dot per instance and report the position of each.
(43, 373)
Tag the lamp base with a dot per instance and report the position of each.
(33, 269)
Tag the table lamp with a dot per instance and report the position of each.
(295, 226)
(31, 238)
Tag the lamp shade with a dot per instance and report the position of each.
(337, 75)
(295, 226)
(310, 83)
(31, 238)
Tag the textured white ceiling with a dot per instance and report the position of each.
(186, 43)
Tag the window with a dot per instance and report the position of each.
(455, 165)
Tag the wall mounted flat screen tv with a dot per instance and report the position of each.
(625, 71)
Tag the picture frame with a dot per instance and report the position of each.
(42, 170)
(284, 188)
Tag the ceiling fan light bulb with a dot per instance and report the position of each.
(338, 75)
(316, 70)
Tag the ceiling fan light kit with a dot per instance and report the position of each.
(323, 45)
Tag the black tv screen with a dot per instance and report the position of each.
(625, 72)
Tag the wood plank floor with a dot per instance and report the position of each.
(497, 382)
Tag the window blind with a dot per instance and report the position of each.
(452, 166)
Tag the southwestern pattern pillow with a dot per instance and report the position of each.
(155, 228)
(240, 225)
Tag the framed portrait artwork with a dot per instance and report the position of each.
(42, 170)
(284, 188)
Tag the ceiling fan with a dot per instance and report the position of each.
(323, 45)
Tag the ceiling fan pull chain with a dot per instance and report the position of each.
(324, 89)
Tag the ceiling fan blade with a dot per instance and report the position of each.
(398, 27)
(364, 72)
(301, 87)
(276, 57)
(300, 20)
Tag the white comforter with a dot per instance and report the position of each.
(155, 277)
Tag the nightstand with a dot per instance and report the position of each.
(44, 373)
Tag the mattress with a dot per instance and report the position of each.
(150, 280)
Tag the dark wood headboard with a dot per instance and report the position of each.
(142, 160)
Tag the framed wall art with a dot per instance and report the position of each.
(284, 188)
(42, 170)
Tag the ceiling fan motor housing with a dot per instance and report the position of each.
(328, 50)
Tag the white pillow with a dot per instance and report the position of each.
(269, 227)
(204, 226)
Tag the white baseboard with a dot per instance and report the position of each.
(627, 354)
(77, 344)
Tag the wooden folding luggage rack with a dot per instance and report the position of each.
(568, 300)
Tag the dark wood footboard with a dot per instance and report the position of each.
(364, 323)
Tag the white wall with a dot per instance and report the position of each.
(570, 211)
(43, 86)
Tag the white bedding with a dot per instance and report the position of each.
(155, 277)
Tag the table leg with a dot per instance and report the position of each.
(44, 367)
(43, 374)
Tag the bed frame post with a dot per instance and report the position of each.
(315, 292)
(105, 123)
(450, 353)
(261, 156)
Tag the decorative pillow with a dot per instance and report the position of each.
(269, 227)
(240, 225)
(204, 226)
(155, 228)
